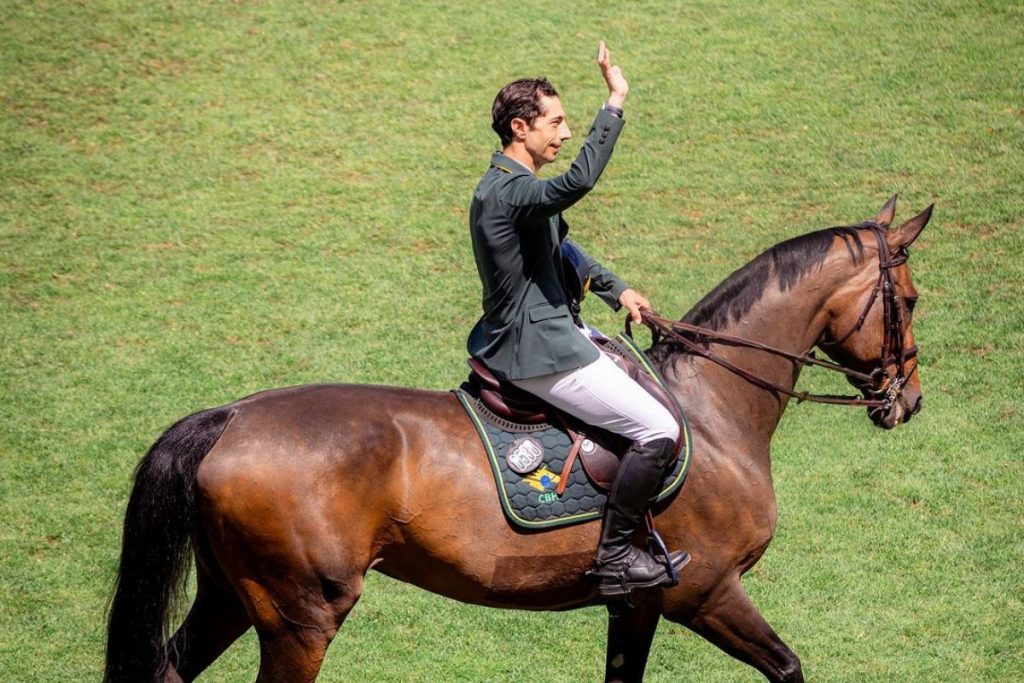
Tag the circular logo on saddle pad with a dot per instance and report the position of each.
(524, 455)
(588, 446)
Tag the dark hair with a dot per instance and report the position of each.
(518, 100)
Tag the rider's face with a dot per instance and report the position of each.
(549, 130)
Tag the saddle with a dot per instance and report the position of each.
(599, 451)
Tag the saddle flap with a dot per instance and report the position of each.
(600, 456)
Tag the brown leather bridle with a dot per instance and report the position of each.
(883, 387)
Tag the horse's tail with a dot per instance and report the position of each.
(156, 547)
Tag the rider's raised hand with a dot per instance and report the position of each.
(618, 88)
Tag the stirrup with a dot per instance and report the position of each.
(657, 549)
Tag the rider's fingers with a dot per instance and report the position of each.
(634, 310)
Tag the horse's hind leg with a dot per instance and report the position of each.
(729, 620)
(216, 619)
(295, 625)
(630, 632)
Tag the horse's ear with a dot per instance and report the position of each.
(903, 236)
(887, 213)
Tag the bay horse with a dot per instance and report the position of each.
(287, 498)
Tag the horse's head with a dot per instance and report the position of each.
(870, 326)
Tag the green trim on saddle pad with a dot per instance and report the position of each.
(530, 500)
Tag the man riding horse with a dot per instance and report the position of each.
(530, 334)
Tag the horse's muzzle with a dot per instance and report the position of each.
(905, 404)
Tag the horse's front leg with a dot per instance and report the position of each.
(729, 620)
(630, 632)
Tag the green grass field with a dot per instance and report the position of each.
(202, 200)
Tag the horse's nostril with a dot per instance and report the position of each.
(917, 405)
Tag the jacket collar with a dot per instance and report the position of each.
(507, 164)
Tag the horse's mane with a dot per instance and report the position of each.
(786, 263)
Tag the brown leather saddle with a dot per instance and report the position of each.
(599, 451)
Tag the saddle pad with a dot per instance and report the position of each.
(527, 462)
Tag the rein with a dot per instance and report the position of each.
(879, 381)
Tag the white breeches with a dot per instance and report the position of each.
(603, 395)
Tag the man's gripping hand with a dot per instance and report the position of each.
(633, 301)
(618, 88)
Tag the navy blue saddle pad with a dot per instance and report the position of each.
(527, 463)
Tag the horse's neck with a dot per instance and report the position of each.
(792, 321)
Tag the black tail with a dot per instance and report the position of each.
(156, 547)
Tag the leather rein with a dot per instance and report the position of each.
(884, 388)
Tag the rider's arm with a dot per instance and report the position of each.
(604, 283)
(529, 199)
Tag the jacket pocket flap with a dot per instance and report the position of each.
(546, 312)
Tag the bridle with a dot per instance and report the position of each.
(893, 351)
(883, 388)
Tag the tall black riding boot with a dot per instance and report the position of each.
(620, 566)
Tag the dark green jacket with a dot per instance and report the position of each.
(516, 225)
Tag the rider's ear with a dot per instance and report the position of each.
(887, 213)
(519, 128)
(904, 236)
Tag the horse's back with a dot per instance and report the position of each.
(298, 467)
(329, 480)
(301, 440)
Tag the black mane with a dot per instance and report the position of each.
(787, 263)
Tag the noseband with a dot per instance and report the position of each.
(884, 388)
